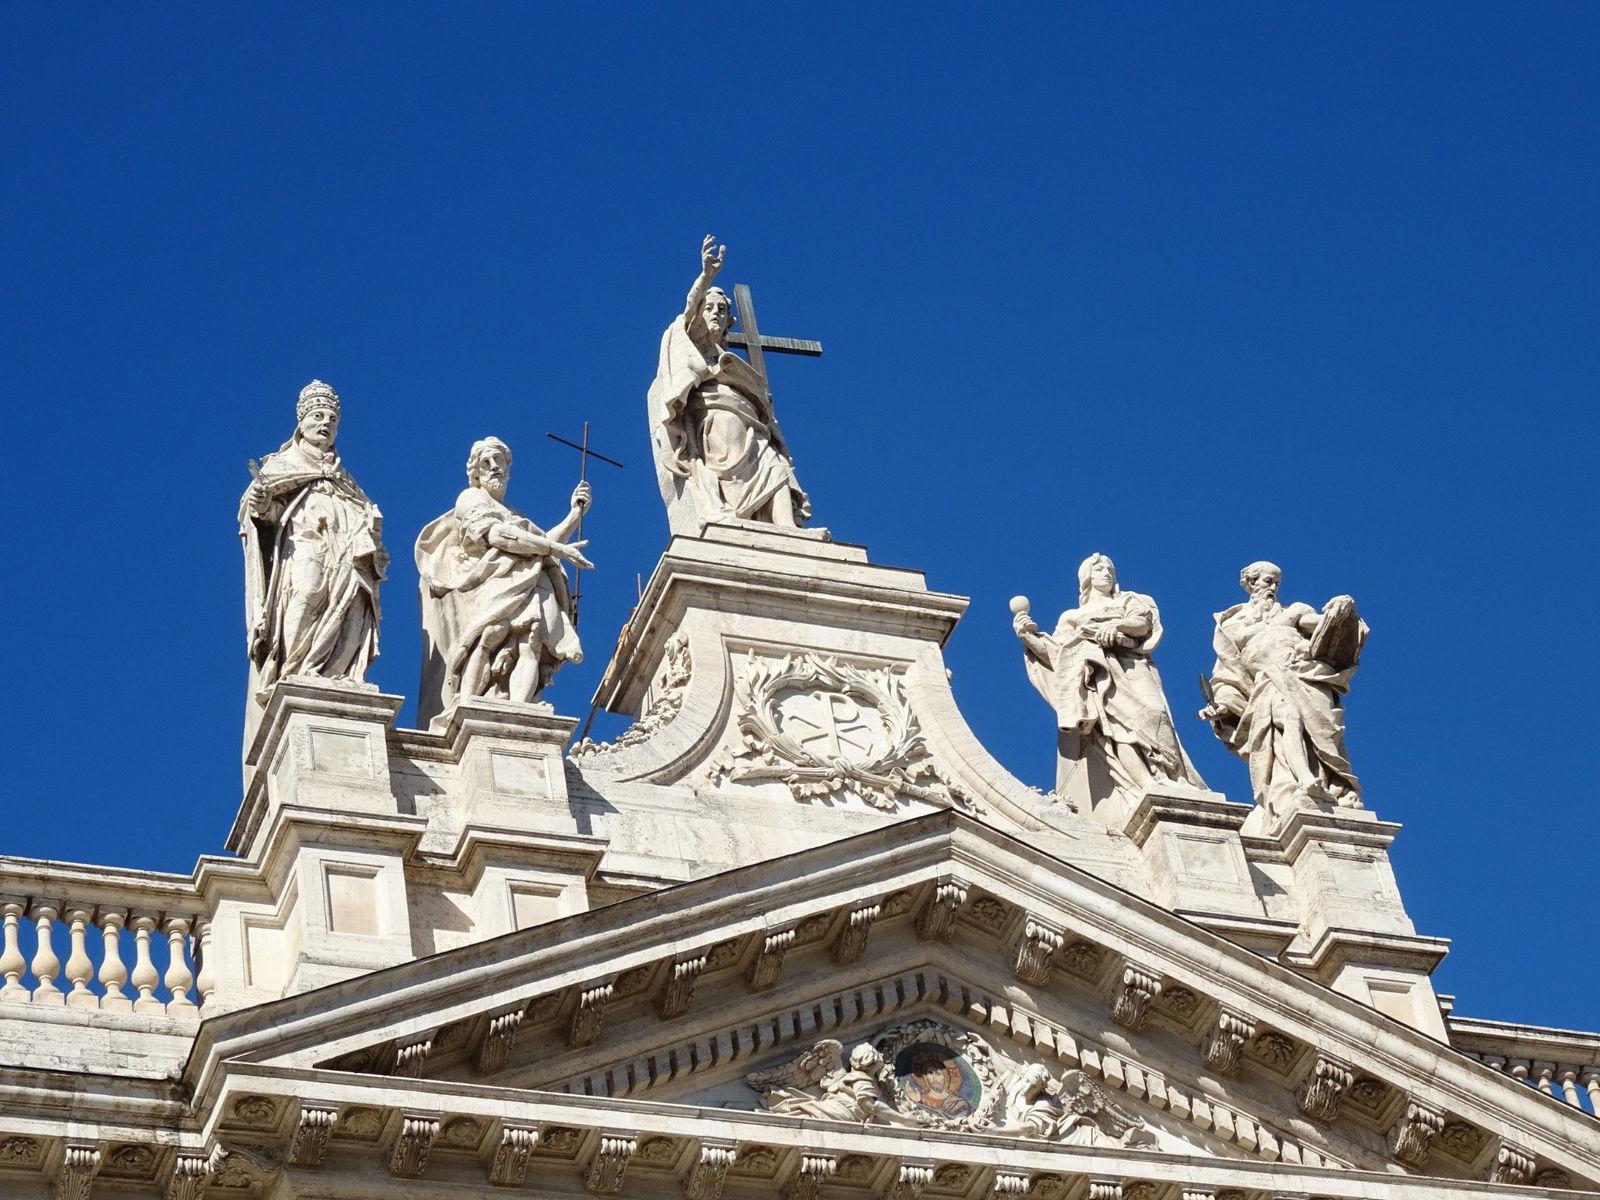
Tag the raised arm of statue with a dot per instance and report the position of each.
(711, 256)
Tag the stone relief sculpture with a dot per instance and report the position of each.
(925, 1074)
(1275, 694)
(313, 558)
(719, 452)
(497, 615)
(1095, 670)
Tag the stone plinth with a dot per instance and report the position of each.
(1196, 865)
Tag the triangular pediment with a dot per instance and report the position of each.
(671, 1002)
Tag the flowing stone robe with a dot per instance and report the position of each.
(719, 452)
(312, 565)
(470, 587)
(1264, 661)
(1115, 691)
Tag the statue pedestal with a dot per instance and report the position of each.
(1356, 935)
(1196, 864)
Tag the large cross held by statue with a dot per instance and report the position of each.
(755, 344)
(584, 455)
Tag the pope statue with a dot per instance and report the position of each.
(497, 616)
(718, 450)
(313, 558)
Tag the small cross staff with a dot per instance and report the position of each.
(584, 455)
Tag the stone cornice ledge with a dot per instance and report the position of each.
(1337, 946)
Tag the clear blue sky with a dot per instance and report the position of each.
(1188, 284)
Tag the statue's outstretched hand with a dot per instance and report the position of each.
(1022, 624)
(582, 497)
(572, 552)
(711, 256)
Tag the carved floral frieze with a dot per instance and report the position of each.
(830, 730)
(670, 689)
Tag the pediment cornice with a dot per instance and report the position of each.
(1029, 932)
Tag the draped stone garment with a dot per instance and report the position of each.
(469, 586)
(713, 428)
(317, 550)
(1263, 659)
(1116, 691)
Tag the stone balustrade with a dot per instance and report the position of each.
(102, 939)
(1564, 1064)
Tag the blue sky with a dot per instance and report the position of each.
(1191, 285)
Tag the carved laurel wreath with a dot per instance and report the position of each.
(904, 770)
(969, 1046)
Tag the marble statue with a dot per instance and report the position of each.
(821, 1084)
(1274, 697)
(1095, 670)
(719, 452)
(497, 616)
(313, 557)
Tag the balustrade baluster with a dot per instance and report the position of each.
(46, 966)
(12, 964)
(178, 977)
(1545, 1071)
(144, 971)
(1591, 1084)
(205, 981)
(79, 968)
(1569, 1086)
(1519, 1069)
(113, 972)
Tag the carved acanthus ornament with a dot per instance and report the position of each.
(937, 919)
(610, 1162)
(670, 689)
(78, 1168)
(1412, 1137)
(1225, 1044)
(409, 1158)
(1130, 1008)
(511, 1156)
(190, 1175)
(310, 1140)
(1512, 1164)
(768, 963)
(709, 1172)
(815, 1170)
(587, 1016)
(913, 1177)
(1008, 1184)
(409, 1058)
(1323, 1089)
(1035, 950)
(851, 942)
(678, 991)
(498, 1040)
(829, 730)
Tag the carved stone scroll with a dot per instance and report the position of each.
(815, 1170)
(1512, 1164)
(409, 1158)
(78, 1169)
(915, 1174)
(1412, 1136)
(677, 993)
(1323, 1089)
(1035, 951)
(410, 1056)
(590, 1012)
(768, 963)
(190, 1175)
(310, 1140)
(709, 1171)
(497, 1041)
(1130, 1007)
(1225, 1044)
(510, 1165)
(604, 1177)
(851, 942)
(938, 916)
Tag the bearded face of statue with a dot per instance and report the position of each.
(320, 426)
(491, 471)
(1261, 580)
